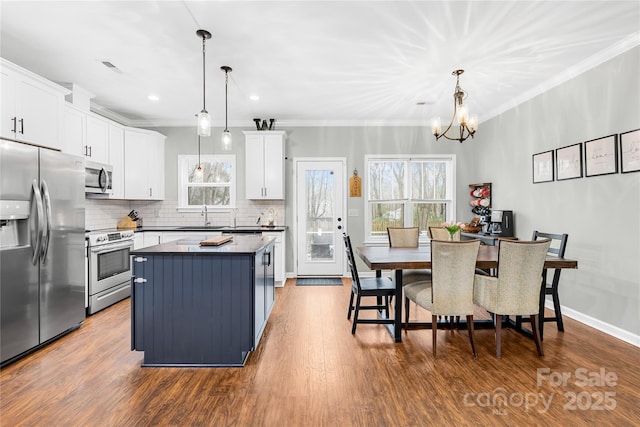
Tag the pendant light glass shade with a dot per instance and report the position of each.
(204, 120)
(226, 139)
(204, 123)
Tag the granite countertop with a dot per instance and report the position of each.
(240, 245)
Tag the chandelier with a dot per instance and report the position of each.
(204, 120)
(467, 124)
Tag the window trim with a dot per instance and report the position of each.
(451, 213)
(185, 159)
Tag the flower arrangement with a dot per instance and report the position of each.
(452, 228)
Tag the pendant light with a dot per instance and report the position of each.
(204, 120)
(198, 172)
(227, 141)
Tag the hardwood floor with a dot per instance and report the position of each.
(310, 371)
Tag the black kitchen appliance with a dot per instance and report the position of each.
(502, 224)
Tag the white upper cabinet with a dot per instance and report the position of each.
(73, 130)
(264, 167)
(143, 164)
(116, 159)
(31, 107)
(96, 146)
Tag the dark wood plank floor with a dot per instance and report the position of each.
(310, 371)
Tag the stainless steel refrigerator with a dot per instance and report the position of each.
(41, 246)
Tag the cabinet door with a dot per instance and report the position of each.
(8, 105)
(97, 139)
(73, 131)
(273, 167)
(40, 110)
(254, 167)
(116, 159)
(136, 178)
(156, 167)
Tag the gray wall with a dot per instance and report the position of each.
(600, 214)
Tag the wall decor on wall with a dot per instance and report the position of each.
(569, 162)
(543, 167)
(630, 151)
(601, 156)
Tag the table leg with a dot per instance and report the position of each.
(397, 311)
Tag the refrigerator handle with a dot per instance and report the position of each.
(39, 225)
(44, 188)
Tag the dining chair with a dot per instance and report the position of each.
(557, 249)
(450, 290)
(441, 233)
(407, 237)
(379, 287)
(515, 291)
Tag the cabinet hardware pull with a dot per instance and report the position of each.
(90, 151)
(139, 259)
(15, 124)
(21, 126)
(140, 280)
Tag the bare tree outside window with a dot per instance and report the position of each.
(214, 188)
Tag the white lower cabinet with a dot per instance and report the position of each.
(279, 254)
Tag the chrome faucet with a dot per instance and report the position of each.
(205, 213)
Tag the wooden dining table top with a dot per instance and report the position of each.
(387, 258)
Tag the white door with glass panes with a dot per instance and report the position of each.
(320, 217)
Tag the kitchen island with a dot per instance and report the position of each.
(204, 306)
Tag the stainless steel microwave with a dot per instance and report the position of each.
(97, 178)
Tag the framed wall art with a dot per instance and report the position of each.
(569, 162)
(630, 151)
(543, 167)
(601, 156)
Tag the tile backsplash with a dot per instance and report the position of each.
(103, 214)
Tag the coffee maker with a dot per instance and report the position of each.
(501, 224)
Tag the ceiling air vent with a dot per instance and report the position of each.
(111, 67)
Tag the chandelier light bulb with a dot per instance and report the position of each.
(436, 127)
(473, 123)
(463, 114)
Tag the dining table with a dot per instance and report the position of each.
(380, 258)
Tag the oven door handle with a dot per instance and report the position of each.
(110, 248)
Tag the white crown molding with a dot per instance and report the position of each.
(614, 50)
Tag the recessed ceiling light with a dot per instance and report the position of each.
(153, 98)
(254, 97)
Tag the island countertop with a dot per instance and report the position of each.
(241, 244)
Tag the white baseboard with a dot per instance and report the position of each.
(608, 329)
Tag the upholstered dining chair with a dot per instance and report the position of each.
(378, 287)
(450, 290)
(516, 289)
(407, 237)
(441, 233)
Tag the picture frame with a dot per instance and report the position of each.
(569, 162)
(630, 151)
(542, 167)
(601, 156)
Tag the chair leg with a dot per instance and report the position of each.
(556, 308)
(355, 314)
(406, 313)
(536, 338)
(434, 332)
(350, 306)
(471, 335)
(498, 335)
(386, 306)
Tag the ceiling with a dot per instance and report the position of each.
(313, 63)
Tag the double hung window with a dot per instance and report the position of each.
(408, 191)
(215, 187)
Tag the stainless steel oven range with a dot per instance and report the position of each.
(109, 268)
